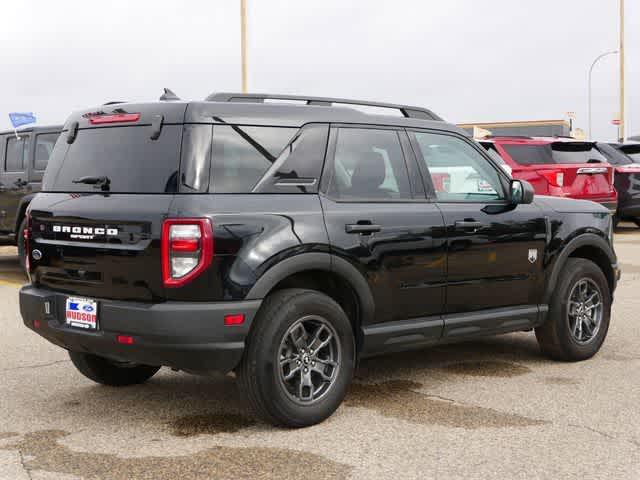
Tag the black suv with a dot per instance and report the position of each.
(286, 241)
(23, 159)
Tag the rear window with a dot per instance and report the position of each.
(558, 152)
(127, 156)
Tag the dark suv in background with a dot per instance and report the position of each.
(287, 241)
(626, 181)
(23, 160)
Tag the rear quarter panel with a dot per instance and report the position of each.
(251, 234)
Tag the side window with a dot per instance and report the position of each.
(298, 167)
(196, 157)
(242, 155)
(369, 165)
(458, 172)
(44, 147)
(17, 153)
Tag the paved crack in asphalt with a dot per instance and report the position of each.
(606, 435)
(24, 467)
(39, 365)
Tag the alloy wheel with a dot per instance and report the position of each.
(309, 359)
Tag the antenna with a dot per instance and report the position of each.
(168, 95)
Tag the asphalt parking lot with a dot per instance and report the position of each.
(493, 408)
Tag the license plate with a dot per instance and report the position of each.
(82, 313)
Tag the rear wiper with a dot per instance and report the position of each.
(102, 183)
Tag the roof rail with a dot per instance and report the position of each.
(406, 110)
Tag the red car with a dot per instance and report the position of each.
(561, 167)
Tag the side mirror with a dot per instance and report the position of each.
(521, 192)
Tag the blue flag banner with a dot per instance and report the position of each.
(19, 119)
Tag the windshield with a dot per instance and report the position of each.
(557, 152)
(126, 156)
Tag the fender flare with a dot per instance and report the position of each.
(316, 261)
(586, 239)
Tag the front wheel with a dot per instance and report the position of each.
(299, 359)
(579, 313)
(107, 372)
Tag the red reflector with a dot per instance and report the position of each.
(185, 245)
(116, 118)
(37, 324)
(235, 319)
(125, 339)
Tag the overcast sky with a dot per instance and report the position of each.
(468, 60)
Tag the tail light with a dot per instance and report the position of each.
(26, 234)
(554, 177)
(115, 118)
(186, 250)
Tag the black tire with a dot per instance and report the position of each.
(637, 222)
(554, 336)
(21, 245)
(259, 373)
(106, 372)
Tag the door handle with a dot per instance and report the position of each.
(362, 228)
(468, 225)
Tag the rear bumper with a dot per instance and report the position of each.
(183, 335)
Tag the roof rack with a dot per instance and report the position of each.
(406, 110)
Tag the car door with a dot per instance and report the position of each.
(495, 249)
(44, 143)
(380, 221)
(14, 179)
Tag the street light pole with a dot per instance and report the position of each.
(612, 52)
(243, 43)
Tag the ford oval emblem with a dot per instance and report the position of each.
(36, 254)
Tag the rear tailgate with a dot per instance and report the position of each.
(108, 187)
(105, 246)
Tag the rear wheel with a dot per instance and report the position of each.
(108, 372)
(21, 246)
(579, 313)
(299, 359)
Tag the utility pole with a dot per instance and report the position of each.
(243, 43)
(593, 64)
(621, 50)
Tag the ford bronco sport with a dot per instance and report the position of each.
(286, 241)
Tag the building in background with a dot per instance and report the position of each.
(533, 128)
